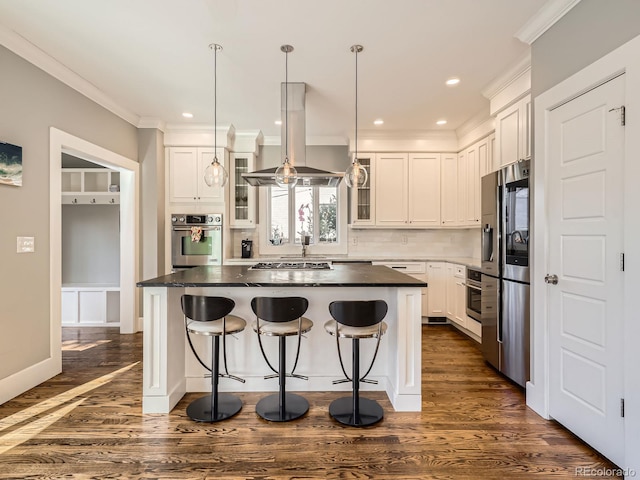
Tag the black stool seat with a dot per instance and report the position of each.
(281, 317)
(210, 316)
(356, 320)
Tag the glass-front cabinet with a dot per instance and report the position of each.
(242, 202)
(363, 198)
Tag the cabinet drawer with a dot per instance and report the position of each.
(405, 267)
(459, 271)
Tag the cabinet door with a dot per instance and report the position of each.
(363, 211)
(508, 139)
(451, 292)
(205, 192)
(483, 148)
(391, 189)
(472, 194)
(242, 195)
(449, 189)
(183, 165)
(424, 190)
(436, 289)
(525, 127)
(463, 193)
(460, 302)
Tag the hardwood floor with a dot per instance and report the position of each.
(473, 424)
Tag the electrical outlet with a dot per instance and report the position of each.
(404, 239)
(25, 244)
(354, 241)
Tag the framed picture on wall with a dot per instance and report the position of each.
(10, 164)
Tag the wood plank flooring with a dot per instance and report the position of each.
(473, 424)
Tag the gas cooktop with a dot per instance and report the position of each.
(292, 266)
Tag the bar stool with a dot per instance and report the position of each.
(205, 315)
(281, 317)
(356, 320)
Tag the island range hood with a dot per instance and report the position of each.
(297, 145)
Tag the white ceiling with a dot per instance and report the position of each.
(152, 57)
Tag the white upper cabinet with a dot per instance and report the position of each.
(242, 204)
(363, 208)
(449, 185)
(424, 189)
(186, 175)
(513, 133)
(408, 190)
(392, 173)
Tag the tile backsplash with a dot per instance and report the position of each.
(393, 243)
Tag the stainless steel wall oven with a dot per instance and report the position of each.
(196, 239)
(473, 287)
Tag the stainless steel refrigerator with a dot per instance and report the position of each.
(505, 271)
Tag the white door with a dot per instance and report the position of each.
(585, 202)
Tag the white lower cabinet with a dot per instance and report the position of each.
(91, 305)
(448, 295)
(436, 290)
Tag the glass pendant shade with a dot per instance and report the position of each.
(286, 175)
(215, 175)
(356, 175)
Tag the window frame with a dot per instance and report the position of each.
(291, 247)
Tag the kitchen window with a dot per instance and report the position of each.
(316, 211)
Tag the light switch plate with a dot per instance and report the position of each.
(26, 244)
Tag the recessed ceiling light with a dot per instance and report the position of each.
(441, 122)
(187, 115)
(453, 81)
(278, 122)
(378, 122)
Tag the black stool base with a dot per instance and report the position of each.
(200, 409)
(269, 407)
(342, 411)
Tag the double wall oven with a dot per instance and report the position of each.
(196, 239)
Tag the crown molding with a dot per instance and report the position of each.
(544, 19)
(510, 76)
(34, 55)
(152, 122)
(474, 122)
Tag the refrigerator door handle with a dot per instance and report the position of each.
(487, 243)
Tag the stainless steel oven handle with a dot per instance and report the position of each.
(188, 229)
(473, 287)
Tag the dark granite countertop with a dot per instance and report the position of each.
(354, 275)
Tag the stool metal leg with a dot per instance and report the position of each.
(282, 406)
(356, 411)
(216, 406)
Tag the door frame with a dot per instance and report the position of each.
(60, 142)
(625, 59)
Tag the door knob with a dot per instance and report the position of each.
(551, 279)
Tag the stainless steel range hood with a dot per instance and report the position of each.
(297, 145)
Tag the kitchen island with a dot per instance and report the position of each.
(170, 369)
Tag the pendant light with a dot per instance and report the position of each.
(356, 175)
(286, 174)
(215, 175)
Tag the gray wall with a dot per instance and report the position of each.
(589, 31)
(152, 212)
(91, 244)
(31, 102)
